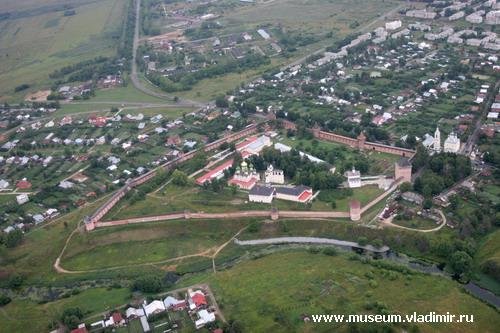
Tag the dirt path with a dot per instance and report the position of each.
(220, 248)
(388, 222)
(208, 253)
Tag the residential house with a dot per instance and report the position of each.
(153, 308)
(204, 317)
(22, 199)
(196, 299)
(171, 303)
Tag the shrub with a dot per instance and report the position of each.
(147, 284)
(330, 251)
(4, 300)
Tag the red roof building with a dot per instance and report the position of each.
(23, 184)
(98, 121)
(199, 300)
(215, 173)
(81, 329)
(174, 140)
(196, 300)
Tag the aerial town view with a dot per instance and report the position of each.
(234, 166)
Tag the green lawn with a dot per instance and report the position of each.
(417, 223)
(136, 244)
(125, 94)
(273, 292)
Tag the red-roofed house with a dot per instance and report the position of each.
(118, 319)
(98, 121)
(23, 184)
(81, 329)
(196, 299)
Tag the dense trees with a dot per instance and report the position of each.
(4, 300)
(148, 284)
(440, 171)
(12, 239)
(71, 317)
(298, 168)
(460, 264)
(180, 178)
(186, 80)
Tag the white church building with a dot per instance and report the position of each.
(452, 143)
(274, 176)
(433, 143)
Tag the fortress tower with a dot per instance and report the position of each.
(355, 210)
(402, 169)
(361, 141)
(89, 224)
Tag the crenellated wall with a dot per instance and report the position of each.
(361, 144)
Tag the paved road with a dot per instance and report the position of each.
(138, 84)
(388, 222)
(311, 240)
(471, 141)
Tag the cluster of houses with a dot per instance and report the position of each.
(492, 124)
(70, 92)
(196, 304)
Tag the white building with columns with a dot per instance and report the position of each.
(452, 143)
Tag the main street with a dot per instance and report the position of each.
(136, 81)
(471, 141)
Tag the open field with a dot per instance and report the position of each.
(280, 288)
(416, 223)
(123, 95)
(137, 244)
(310, 16)
(34, 45)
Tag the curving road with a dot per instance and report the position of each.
(388, 222)
(311, 240)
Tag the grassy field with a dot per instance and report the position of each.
(124, 95)
(416, 223)
(42, 39)
(138, 244)
(279, 289)
(27, 316)
(489, 250)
